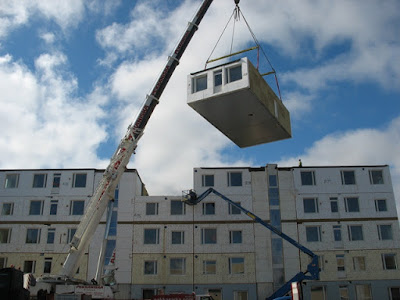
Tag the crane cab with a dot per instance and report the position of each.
(236, 99)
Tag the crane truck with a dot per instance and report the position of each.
(104, 193)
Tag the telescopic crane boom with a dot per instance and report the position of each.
(105, 190)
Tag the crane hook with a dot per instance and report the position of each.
(237, 2)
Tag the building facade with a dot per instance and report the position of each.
(345, 214)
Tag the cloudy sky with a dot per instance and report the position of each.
(74, 74)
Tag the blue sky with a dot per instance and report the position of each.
(73, 75)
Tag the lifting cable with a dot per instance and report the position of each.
(237, 12)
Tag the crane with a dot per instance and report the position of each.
(312, 272)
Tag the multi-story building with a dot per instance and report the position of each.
(346, 215)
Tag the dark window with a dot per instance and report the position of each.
(208, 180)
(151, 209)
(310, 205)
(355, 233)
(53, 207)
(11, 181)
(395, 293)
(56, 180)
(29, 266)
(209, 208)
(307, 178)
(79, 180)
(36, 208)
(151, 236)
(71, 233)
(39, 180)
(77, 207)
(273, 181)
(178, 237)
(313, 233)
(177, 207)
(351, 204)
(5, 235)
(234, 73)
(218, 78)
(233, 210)
(7, 209)
(334, 205)
(200, 83)
(385, 232)
(376, 176)
(32, 236)
(150, 267)
(273, 194)
(348, 177)
(51, 233)
(235, 237)
(47, 265)
(209, 236)
(337, 233)
(235, 179)
(380, 205)
(389, 261)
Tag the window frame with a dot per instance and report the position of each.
(340, 263)
(12, 185)
(32, 209)
(180, 234)
(347, 207)
(336, 229)
(7, 211)
(382, 237)
(232, 265)
(228, 75)
(315, 205)
(75, 180)
(334, 204)
(208, 208)
(154, 267)
(51, 235)
(381, 180)
(30, 239)
(73, 209)
(233, 210)
(346, 178)
(305, 181)
(196, 87)
(70, 234)
(232, 237)
(53, 204)
(359, 263)
(173, 211)
(207, 180)
(8, 237)
(47, 261)
(152, 208)
(206, 239)
(156, 241)
(232, 181)
(384, 262)
(319, 237)
(378, 207)
(36, 183)
(32, 268)
(56, 182)
(3, 262)
(351, 233)
(183, 266)
(206, 264)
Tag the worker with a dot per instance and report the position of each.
(300, 163)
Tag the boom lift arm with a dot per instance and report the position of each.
(105, 190)
(312, 272)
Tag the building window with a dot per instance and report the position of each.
(236, 265)
(151, 209)
(3, 262)
(151, 236)
(310, 205)
(318, 292)
(113, 224)
(209, 208)
(235, 237)
(207, 180)
(199, 83)
(234, 178)
(53, 207)
(307, 178)
(7, 209)
(334, 204)
(178, 237)
(149, 293)
(39, 180)
(380, 205)
(150, 267)
(36, 208)
(217, 80)
(209, 267)
(344, 292)
(56, 180)
(337, 233)
(77, 207)
(209, 236)
(5, 235)
(11, 181)
(177, 266)
(32, 236)
(51, 233)
(359, 263)
(177, 207)
(385, 232)
(234, 73)
(355, 232)
(394, 293)
(240, 295)
(340, 262)
(351, 204)
(233, 210)
(29, 266)
(376, 177)
(363, 292)
(348, 177)
(79, 180)
(313, 233)
(47, 265)
(389, 261)
(273, 180)
(71, 233)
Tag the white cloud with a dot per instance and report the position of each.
(43, 125)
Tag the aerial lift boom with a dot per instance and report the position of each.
(312, 272)
(105, 190)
